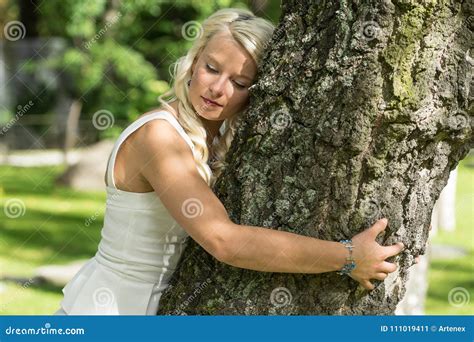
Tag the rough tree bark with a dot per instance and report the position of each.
(360, 111)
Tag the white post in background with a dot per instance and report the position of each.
(4, 104)
(444, 212)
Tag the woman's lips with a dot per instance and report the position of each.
(210, 102)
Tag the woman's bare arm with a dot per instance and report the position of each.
(168, 165)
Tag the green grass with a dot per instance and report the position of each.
(444, 275)
(53, 230)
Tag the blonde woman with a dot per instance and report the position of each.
(160, 166)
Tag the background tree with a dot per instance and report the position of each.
(112, 56)
(360, 110)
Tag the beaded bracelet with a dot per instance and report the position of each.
(350, 262)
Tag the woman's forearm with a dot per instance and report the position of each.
(268, 250)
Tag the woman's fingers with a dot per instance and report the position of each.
(381, 276)
(394, 249)
(378, 227)
(367, 285)
(387, 267)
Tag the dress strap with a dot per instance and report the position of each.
(164, 115)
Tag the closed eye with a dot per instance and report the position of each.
(211, 69)
(214, 71)
(240, 86)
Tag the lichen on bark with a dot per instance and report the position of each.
(360, 110)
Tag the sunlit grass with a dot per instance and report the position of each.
(451, 275)
(445, 275)
(52, 230)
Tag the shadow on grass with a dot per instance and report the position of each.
(21, 181)
(441, 291)
(452, 266)
(450, 274)
(66, 234)
(35, 284)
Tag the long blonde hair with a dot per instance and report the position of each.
(253, 33)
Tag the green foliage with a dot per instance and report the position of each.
(71, 18)
(111, 55)
(118, 54)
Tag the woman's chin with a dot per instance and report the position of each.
(211, 115)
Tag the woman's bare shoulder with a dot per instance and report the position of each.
(162, 151)
(158, 135)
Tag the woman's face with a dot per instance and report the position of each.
(222, 73)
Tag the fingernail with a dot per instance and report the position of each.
(385, 220)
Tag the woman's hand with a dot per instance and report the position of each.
(370, 257)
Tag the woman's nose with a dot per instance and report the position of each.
(217, 87)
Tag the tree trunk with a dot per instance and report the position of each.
(29, 10)
(360, 111)
(72, 126)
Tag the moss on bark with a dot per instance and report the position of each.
(360, 111)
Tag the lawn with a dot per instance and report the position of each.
(445, 275)
(54, 229)
(59, 225)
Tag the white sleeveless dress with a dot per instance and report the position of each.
(140, 247)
